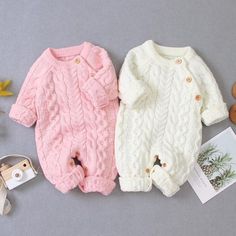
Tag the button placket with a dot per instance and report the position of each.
(184, 73)
(188, 79)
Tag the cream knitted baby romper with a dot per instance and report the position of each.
(165, 93)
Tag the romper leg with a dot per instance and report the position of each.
(60, 169)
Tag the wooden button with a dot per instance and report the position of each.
(234, 90)
(178, 61)
(164, 165)
(147, 170)
(232, 113)
(189, 79)
(77, 60)
(71, 162)
(198, 97)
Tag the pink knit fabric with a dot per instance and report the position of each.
(72, 94)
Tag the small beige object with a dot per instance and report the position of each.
(234, 90)
(13, 176)
(16, 171)
(77, 60)
(189, 79)
(147, 170)
(178, 61)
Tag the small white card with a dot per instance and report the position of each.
(215, 169)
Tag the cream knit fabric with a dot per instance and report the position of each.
(165, 93)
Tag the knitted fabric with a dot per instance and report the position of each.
(165, 93)
(71, 94)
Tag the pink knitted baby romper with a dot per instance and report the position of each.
(72, 94)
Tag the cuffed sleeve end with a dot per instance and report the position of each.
(22, 115)
(215, 115)
(136, 94)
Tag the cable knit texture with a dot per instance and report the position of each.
(165, 93)
(71, 94)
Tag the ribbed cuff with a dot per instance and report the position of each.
(215, 115)
(97, 184)
(163, 181)
(70, 180)
(135, 95)
(22, 115)
(135, 184)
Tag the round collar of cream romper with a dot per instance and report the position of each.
(168, 55)
(71, 55)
